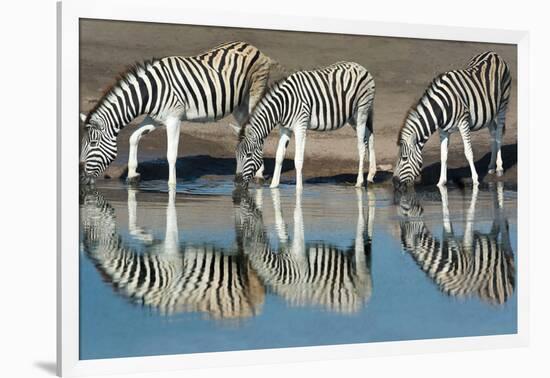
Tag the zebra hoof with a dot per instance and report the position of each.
(133, 179)
(491, 172)
(359, 185)
(500, 172)
(259, 180)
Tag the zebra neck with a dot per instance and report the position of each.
(112, 121)
(134, 94)
(266, 116)
(416, 132)
(429, 115)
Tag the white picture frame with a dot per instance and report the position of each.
(69, 13)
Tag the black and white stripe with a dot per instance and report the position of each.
(230, 78)
(322, 100)
(465, 100)
(479, 264)
(307, 274)
(187, 278)
(328, 277)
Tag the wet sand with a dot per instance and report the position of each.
(402, 69)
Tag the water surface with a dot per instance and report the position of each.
(202, 269)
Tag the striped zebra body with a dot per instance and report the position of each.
(201, 279)
(322, 100)
(465, 100)
(307, 274)
(228, 79)
(328, 277)
(481, 264)
(193, 278)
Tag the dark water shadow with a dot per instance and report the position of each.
(47, 366)
(349, 178)
(430, 174)
(194, 167)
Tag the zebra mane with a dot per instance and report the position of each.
(413, 114)
(126, 76)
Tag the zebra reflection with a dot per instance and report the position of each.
(169, 276)
(309, 274)
(481, 264)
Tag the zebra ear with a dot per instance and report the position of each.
(83, 117)
(236, 129)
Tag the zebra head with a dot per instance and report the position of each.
(249, 155)
(409, 162)
(97, 151)
(409, 205)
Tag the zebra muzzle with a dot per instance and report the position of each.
(83, 177)
(240, 182)
(400, 186)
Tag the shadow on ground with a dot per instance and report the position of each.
(48, 367)
(430, 174)
(459, 176)
(349, 178)
(194, 167)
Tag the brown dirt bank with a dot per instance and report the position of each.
(402, 69)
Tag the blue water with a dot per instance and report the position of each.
(401, 302)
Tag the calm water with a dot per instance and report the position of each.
(201, 270)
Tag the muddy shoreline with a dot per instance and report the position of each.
(402, 69)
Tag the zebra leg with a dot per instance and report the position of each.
(499, 133)
(447, 226)
(372, 157)
(259, 176)
(500, 224)
(172, 135)
(360, 129)
(284, 139)
(171, 238)
(300, 133)
(470, 218)
(259, 199)
(280, 225)
(133, 228)
(362, 246)
(466, 138)
(493, 131)
(371, 203)
(444, 138)
(298, 241)
(133, 176)
(360, 231)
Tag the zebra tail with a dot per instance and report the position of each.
(369, 120)
(275, 65)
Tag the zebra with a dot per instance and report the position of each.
(309, 274)
(230, 78)
(480, 264)
(169, 276)
(322, 100)
(465, 100)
